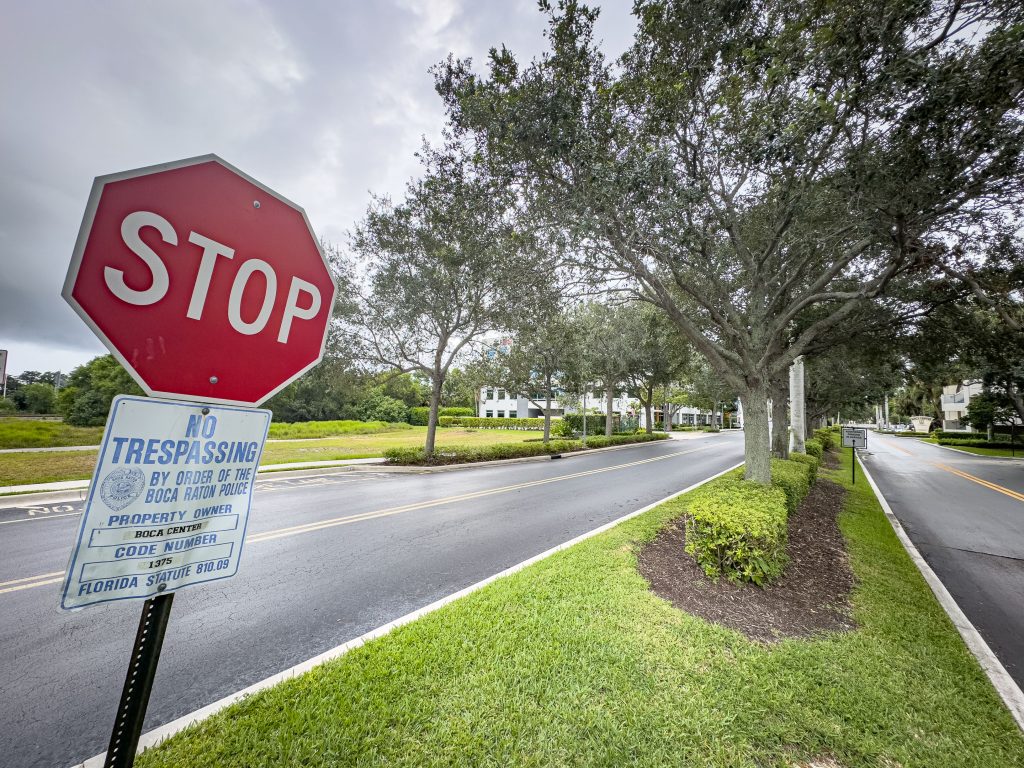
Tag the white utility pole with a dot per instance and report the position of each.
(796, 403)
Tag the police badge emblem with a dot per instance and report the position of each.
(121, 487)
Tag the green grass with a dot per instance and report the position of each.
(24, 468)
(573, 662)
(36, 433)
(1018, 452)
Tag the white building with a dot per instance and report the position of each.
(500, 404)
(954, 401)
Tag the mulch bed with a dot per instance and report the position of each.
(811, 597)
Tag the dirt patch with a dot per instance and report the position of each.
(811, 596)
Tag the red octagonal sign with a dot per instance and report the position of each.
(204, 283)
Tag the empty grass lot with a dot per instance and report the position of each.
(573, 662)
(36, 433)
(24, 468)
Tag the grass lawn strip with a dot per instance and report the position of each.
(573, 661)
(25, 468)
(39, 433)
(1018, 452)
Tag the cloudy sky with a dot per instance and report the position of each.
(322, 101)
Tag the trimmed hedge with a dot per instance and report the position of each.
(810, 461)
(827, 437)
(420, 415)
(794, 478)
(468, 455)
(737, 529)
(981, 443)
(482, 422)
(815, 448)
(572, 423)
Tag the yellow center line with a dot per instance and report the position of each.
(48, 578)
(33, 584)
(967, 476)
(31, 578)
(897, 447)
(321, 524)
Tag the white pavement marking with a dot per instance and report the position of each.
(1005, 685)
(157, 735)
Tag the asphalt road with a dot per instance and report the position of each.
(965, 514)
(327, 559)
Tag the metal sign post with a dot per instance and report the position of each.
(854, 438)
(131, 710)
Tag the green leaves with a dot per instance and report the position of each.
(738, 529)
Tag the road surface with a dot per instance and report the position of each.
(327, 559)
(965, 513)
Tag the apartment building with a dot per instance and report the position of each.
(954, 401)
(499, 403)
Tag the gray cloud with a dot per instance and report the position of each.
(322, 101)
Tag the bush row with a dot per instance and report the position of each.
(482, 422)
(466, 455)
(815, 448)
(419, 415)
(827, 436)
(980, 443)
(737, 528)
(313, 429)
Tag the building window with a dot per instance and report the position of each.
(489, 414)
(501, 414)
(501, 394)
(489, 394)
(513, 414)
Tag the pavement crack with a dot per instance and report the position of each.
(972, 551)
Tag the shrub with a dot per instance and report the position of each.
(814, 448)
(478, 422)
(737, 528)
(595, 423)
(793, 477)
(452, 411)
(381, 407)
(465, 455)
(314, 429)
(827, 437)
(418, 415)
(811, 461)
(979, 443)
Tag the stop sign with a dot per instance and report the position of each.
(204, 283)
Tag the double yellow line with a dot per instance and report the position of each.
(993, 486)
(31, 581)
(280, 533)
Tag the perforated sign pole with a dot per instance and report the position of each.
(131, 710)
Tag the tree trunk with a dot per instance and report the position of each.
(609, 403)
(797, 405)
(756, 444)
(649, 411)
(666, 418)
(435, 402)
(780, 432)
(547, 413)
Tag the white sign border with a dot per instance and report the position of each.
(95, 484)
(83, 236)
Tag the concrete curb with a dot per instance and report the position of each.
(1005, 685)
(157, 735)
